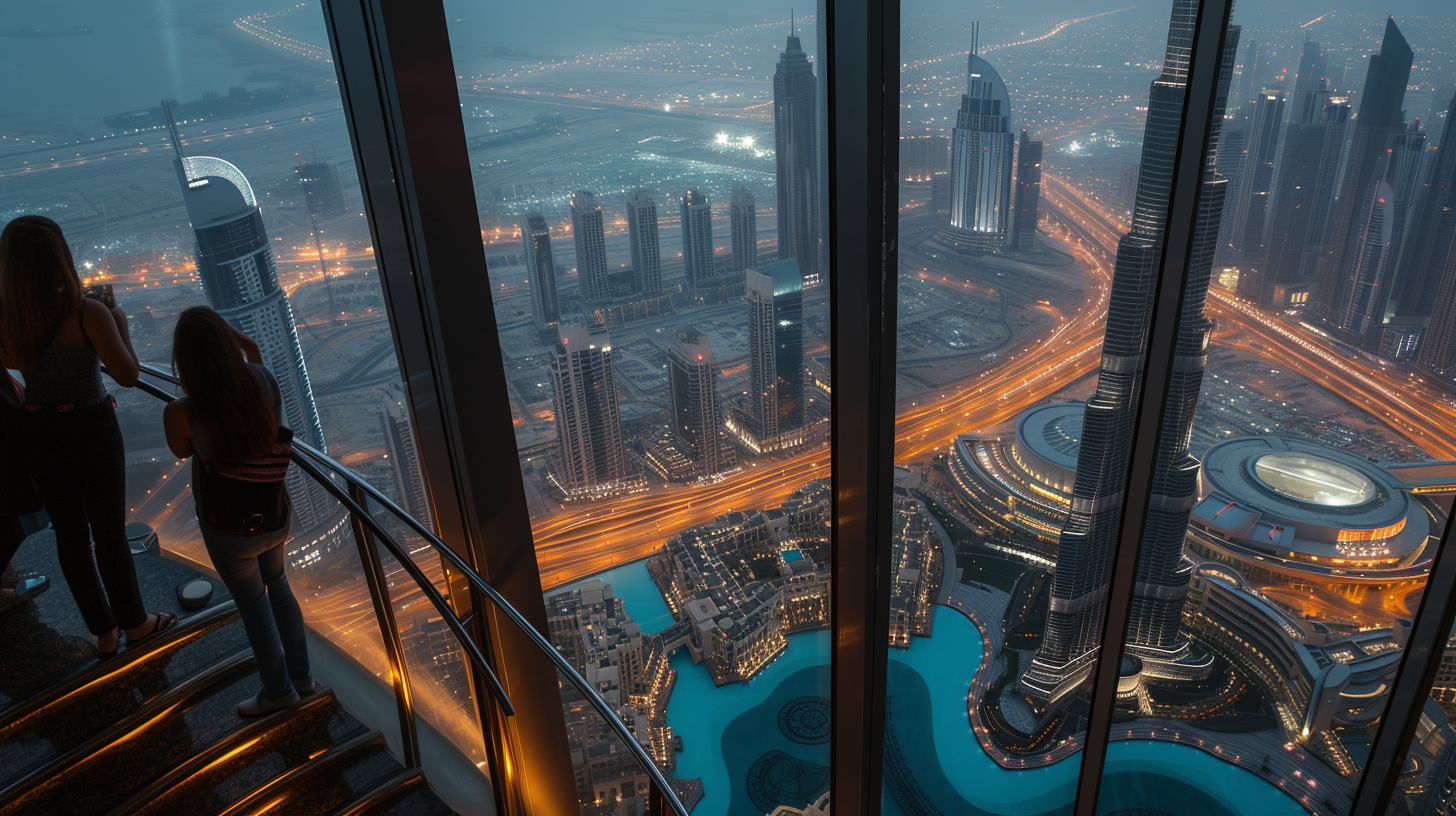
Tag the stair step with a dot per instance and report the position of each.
(177, 648)
(55, 722)
(328, 783)
(101, 772)
(249, 758)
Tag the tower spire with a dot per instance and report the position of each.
(791, 22)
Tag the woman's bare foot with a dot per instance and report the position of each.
(106, 644)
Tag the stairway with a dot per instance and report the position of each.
(155, 731)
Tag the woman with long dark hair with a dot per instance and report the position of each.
(57, 338)
(230, 423)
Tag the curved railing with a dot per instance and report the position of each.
(355, 495)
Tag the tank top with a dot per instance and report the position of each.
(65, 376)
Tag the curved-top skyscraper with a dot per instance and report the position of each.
(981, 149)
(1089, 538)
(239, 275)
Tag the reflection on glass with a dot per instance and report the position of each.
(238, 192)
(1296, 508)
(650, 187)
(1427, 783)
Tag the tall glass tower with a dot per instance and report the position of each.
(591, 458)
(1250, 199)
(642, 235)
(1432, 226)
(697, 238)
(1380, 108)
(981, 150)
(1028, 193)
(239, 275)
(796, 125)
(542, 265)
(697, 417)
(1083, 571)
(591, 247)
(775, 296)
(743, 229)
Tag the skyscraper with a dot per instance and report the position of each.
(981, 148)
(1383, 216)
(642, 235)
(591, 247)
(591, 458)
(404, 457)
(743, 229)
(697, 239)
(1028, 193)
(1431, 227)
(1380, 106)
(775, 294)
(1080, 580)
(542, 265)
(821, 140)
(239, 275)
(697, 417)
(1250, 198)
(796, 125)
(1299, 210)
(1438, 349)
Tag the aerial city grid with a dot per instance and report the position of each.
(655, 223)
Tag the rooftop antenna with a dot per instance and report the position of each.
(791, 22)
(172, 127)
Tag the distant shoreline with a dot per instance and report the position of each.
(34, 33)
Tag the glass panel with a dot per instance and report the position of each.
(648, 180)
(247, 201)
(1426, 784)
(1297, 493)
(1029, 143)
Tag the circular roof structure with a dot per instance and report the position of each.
(1313, 479)
(1307, 505)
(1052, 432)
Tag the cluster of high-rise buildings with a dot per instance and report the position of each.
(1345, 214)
(592, 458)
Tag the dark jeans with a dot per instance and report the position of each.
(251, 568)
(79, 466)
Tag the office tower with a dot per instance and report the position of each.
(774, 293)
(322, 189)
(743, 229)
(591, 458)
(1438, 349)
(1377, 242)
(1084, 558)
(1251, 77)
(642, 235)
(1303, 194)
(821, 141)
(1430, 227)
(1380, 107)
(697, 418)
(697, 239)
(921, 157)
(404, 457)
(1028, 193)
(981, 147)
(1250, 198)
(796, 124)
(591, 247)
(239, 276)
(542, 265)
(1311, 87)
(1229, 162)
(1405, 166)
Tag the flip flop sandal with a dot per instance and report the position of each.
(27, 588)
(164, 622)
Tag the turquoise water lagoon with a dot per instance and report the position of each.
(767, 740)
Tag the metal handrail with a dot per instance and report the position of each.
(312, 462)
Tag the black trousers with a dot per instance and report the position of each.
(78, 462)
